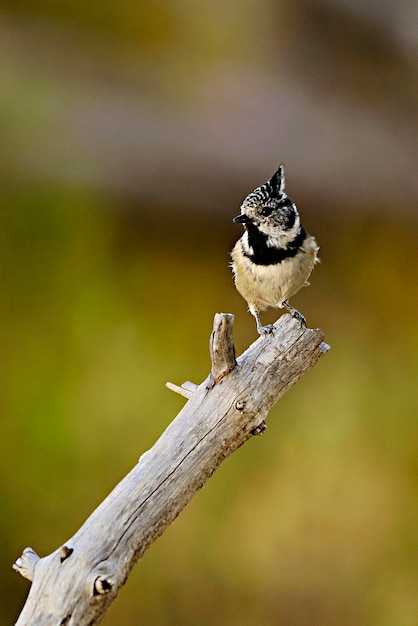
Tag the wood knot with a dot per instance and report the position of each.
(102, 585)
(241, 404)
(65, 552)
(260, 429)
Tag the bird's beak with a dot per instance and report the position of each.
(241, 219)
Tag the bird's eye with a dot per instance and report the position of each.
(266, 210)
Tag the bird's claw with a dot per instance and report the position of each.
(301, 318)
(265, 330)
(295, 313)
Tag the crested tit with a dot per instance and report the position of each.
(275, 256)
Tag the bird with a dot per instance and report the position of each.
(275, 256)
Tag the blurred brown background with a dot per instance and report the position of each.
(130, 134)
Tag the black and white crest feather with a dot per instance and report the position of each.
(274, 188)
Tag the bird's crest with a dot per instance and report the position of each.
(274, 188)
(277, 183)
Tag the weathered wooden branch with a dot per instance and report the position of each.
(76, 584)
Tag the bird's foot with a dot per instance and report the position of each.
(265, 330)
(301, 318)
(262, 330)
(295, 313)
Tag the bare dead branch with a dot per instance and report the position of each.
(77, 583)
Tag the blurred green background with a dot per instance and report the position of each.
(130, 134)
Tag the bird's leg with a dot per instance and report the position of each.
(295, 313)
(262, 330)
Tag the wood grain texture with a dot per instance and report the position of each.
(77, 583)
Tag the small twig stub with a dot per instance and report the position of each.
(221, 346)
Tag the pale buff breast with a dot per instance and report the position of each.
(265, 286)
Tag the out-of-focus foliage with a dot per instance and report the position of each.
(106, 293)
(310, 523)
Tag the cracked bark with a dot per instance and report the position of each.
(76, 584)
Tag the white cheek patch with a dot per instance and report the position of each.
(281, 238)
(247, 249)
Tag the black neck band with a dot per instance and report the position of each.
(265, 255)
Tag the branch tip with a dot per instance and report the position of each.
(186, 389)
(26, 563)
(324, 347)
